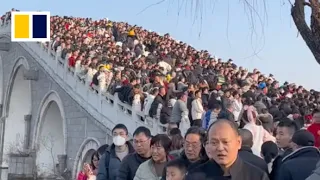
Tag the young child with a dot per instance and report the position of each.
(176, 170)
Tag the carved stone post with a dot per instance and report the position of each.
(27, 121)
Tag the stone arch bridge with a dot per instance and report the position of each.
(44, 132)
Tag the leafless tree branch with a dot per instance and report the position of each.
(151, 5)
(310, 34)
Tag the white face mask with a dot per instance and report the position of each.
(119, 140)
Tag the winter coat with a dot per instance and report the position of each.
(155, 109)
(129, 166)
(305, 159)
(179, 111)
(316, 173)
(247, 155)
(109, 163)
(260, 135)
(196, 109)
(240, 170)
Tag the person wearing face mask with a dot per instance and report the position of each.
(111, 160)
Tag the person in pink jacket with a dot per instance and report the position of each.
(260, 135)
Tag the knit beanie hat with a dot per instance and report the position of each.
(303, 138)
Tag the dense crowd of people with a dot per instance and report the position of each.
(222, 152)
(223, 122)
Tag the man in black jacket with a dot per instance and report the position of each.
(224, 143)
(125, 91)
(155, 109)
(130, 164)
(303, 160)
(245, 153)
(285, 130)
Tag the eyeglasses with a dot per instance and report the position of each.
(193, 145)
(139, 142)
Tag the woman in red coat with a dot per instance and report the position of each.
(314, 128)
(90, 171)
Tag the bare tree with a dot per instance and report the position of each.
(47, 142)
(309, 33)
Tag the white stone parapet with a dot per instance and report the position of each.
(104, 107)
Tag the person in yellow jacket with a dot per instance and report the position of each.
(169, 77)
(106, 66)
(131, 33)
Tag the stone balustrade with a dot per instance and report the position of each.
(106, 108)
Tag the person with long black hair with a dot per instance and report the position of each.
(269, 151)
(90, 170)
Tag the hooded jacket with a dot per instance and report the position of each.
(304, 159)
(260, 135)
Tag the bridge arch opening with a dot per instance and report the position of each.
(17, 104)
(85, 152)
(50, 139)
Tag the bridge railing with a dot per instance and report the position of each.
(106, 108)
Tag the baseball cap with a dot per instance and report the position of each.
(303, 138)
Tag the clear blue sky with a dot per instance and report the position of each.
(225, 30)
